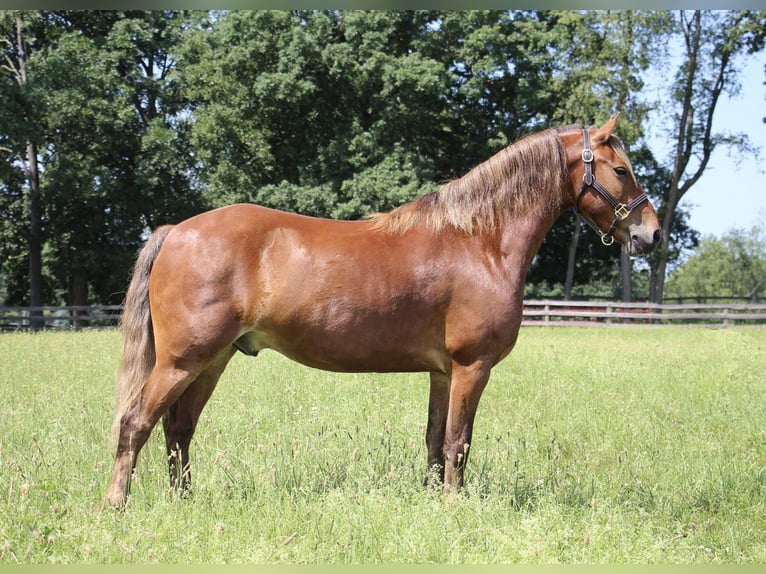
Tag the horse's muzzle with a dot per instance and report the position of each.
(643, 240)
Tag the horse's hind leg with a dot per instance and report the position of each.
(165, 384)
(180, 420)
(438, 405)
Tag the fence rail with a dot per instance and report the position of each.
(49, 317)
(590, 313)
(552, 313)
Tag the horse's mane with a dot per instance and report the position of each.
(526, 177)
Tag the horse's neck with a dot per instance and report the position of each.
(519, 241)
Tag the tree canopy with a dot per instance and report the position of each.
(730, 267)
(132, 119)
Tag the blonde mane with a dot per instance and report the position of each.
(527, 177)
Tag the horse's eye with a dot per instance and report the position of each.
(621, 171)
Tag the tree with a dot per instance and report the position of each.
(119, 160)
(732, 266)
(711, 42)
(22, 147)
(342, 113)
(106, 116)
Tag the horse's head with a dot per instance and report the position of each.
(605, 190)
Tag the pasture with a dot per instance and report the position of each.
(603, 445)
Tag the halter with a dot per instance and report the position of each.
(621, 210)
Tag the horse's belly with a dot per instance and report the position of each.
(350, 351)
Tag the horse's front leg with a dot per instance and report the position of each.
(438, 405)
(466, 386)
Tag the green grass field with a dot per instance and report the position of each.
(613, 445)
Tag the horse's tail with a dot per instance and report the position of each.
(138, 355)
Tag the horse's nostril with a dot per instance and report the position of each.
(657, 237)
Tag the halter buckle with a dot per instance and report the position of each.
(587, 155)
(621, 211)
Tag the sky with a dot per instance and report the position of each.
(732, 195)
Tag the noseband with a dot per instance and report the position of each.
(621, 210)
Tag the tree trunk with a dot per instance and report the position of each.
(626, 271)
(694, 137)
(78, 296)
(35, 239)
(628, 32)
(572, 258)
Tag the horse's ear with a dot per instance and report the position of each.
(603, 133)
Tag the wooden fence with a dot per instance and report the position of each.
(572, 313)
(71, 317)
(592, 313)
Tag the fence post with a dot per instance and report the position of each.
(78, 318)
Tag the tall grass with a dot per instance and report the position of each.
(619, 445)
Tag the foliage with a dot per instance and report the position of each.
(577, 458)
(102, 108)
(339, 102)
(733, 265)
(141, 118)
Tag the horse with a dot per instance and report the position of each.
(435, 285)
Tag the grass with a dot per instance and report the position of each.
(618, 445)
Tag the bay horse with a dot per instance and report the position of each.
(435, 285)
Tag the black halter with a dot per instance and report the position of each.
(621, 210)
